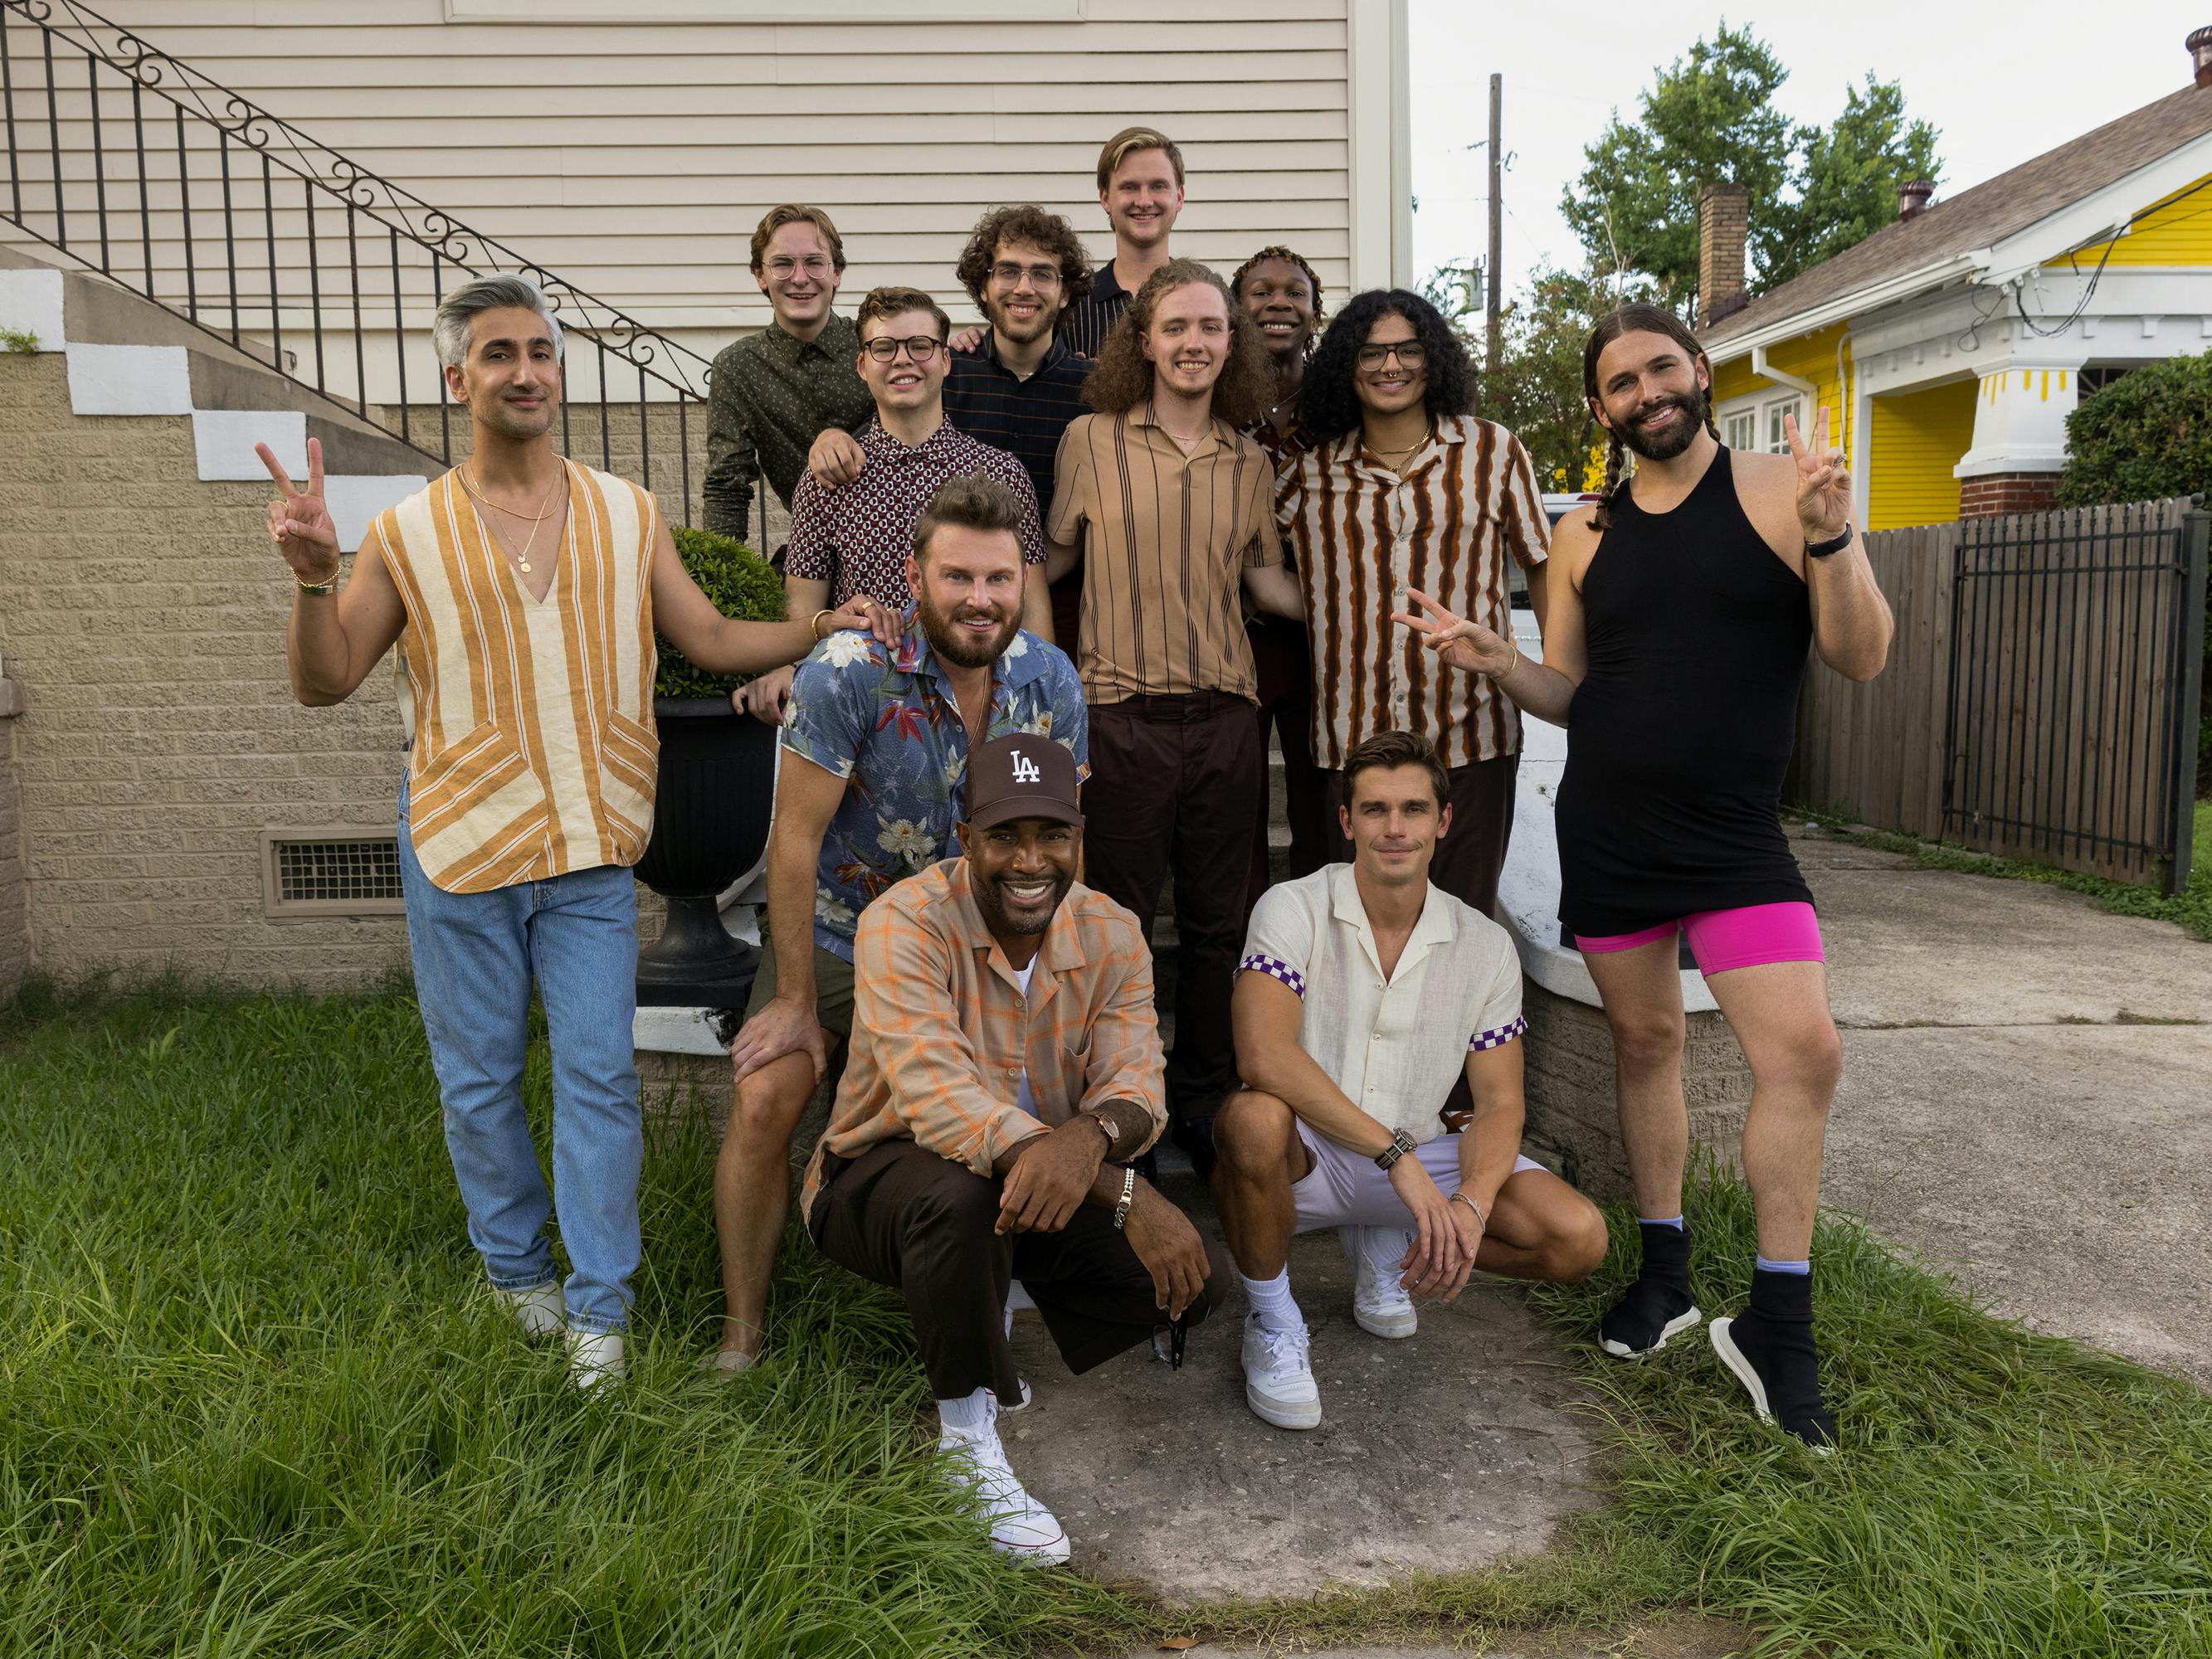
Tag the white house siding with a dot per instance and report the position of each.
(633, 158)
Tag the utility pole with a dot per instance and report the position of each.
(1494, 276)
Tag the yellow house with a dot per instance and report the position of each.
(1949, 348)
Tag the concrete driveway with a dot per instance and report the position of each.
(2026, 1097)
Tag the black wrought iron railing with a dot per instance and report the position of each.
(138, 167)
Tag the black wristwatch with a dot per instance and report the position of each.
(1833, 545)
(1400, 1143)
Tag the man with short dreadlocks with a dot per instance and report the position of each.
(1675, 649)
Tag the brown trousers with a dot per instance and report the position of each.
(902, 1216)
(1285, 674)
(1175, 782)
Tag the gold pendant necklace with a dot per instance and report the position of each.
(521, 559)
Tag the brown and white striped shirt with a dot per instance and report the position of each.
(1166, 539)
(1360, 535)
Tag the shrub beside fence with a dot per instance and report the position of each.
(2041, 696)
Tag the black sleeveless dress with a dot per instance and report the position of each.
(1680, 732)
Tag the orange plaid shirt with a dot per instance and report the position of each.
(941, 1031)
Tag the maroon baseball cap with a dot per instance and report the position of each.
(1021, 775)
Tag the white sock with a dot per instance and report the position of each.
(1386, 1248)
(969, 1415)
(1271, 1299)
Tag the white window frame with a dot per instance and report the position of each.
(1748, 419)
(1770, 411)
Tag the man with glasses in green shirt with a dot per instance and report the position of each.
(773, 395)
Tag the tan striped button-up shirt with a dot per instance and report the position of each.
(1361, 535)
(533, 751)
(1166, 538)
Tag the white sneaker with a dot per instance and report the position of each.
(595, 1359)
(1279, 1379)
(1022, 1530)
(1379, 1303)
(539, 1310)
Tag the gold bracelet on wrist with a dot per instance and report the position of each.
(814, 623)
(328, 585)
(1512, 662)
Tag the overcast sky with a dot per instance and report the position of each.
(2001, 83)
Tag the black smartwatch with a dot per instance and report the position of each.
(1833, 545)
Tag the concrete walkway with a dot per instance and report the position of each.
(2027, 1096)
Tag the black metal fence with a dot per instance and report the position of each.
(138, 167)
(2076, 650)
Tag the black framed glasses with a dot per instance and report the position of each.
(1010, 275)
(1410, 354)
(919, 347)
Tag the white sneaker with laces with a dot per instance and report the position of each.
(1379, 1303)
(1022, 1530)
(595, 1359)
(539, 1310)
(1279, 1379)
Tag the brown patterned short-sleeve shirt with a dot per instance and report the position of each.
(1166, 538)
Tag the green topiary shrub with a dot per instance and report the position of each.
(2147, 435)
(741, 584)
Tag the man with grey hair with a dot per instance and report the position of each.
(525, 591)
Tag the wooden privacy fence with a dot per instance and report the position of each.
(2041, 696)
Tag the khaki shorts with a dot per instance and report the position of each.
(832, 987)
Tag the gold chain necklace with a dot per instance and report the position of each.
(522, 559)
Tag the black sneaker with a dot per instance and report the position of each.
(1770, 1348)
(1658, 1304)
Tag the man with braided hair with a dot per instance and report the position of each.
(1674, 653)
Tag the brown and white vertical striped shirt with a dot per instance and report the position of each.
(1166, 538)
(1360, 535)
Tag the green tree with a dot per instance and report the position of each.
(1709, 118)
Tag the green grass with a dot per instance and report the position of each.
(246, 1408)
(2192, 907)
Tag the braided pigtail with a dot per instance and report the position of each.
(1615, 459)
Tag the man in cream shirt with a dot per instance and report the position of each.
(1362, 993)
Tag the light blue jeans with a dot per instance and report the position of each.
(475, 956)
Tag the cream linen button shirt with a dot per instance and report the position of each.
(1396, 1045)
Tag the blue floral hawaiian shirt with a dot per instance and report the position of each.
(887, 722)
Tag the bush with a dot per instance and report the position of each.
(741, 584)
(2147, 435)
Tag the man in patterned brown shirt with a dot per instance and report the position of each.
(1005, 1069)
(1169, 509)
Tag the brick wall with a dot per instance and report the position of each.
(143, 612)
(15, 936)
(1998, 493)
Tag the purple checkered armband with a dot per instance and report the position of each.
(1499, 1038)
(1275, 968)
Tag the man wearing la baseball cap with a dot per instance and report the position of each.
(1005, 1069)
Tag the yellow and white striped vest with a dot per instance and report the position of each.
(534, 748)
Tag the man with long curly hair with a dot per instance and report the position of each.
(1402, 485)
(1169, 506)
(1021, 384)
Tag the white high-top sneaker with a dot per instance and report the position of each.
(539, 1310)
(1379, 1301)
(1022, 1530)
(1279, 1379)
(595, 1359)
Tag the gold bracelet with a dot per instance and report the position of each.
(814, 624)
(1512, 662)
(328, 585)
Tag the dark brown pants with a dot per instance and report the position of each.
(1285, 672)
(902, 1216)
(1174, 782)
(1470, 854)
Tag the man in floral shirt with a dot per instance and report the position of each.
(876, 745)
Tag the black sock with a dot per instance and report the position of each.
(1776, 1335)
(1660, 1294)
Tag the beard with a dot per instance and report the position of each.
(1023, 922)
(949, 643)
(1022, 333)
(1696, 410)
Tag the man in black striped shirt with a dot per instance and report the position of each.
(1140, 187)
(1021, 385)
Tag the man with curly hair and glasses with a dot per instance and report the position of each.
(1169, 506)
(1021, 384)
(1404, 484)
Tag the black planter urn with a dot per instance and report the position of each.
(709, 826)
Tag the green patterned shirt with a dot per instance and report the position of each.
(771, 395)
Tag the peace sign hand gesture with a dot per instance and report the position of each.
(300, 520)
(1824, 482)
(1467, 645)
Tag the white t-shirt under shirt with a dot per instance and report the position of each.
(1025, 1100)
(1394, 1046)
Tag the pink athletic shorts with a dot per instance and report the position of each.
(1722, 939)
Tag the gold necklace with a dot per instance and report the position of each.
(522, 559)
(1421, 442)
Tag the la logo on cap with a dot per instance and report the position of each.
(1025, 770)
